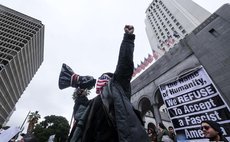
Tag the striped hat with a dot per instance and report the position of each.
(103, 81)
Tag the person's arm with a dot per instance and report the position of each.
(124, 68)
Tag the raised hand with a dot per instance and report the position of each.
(129, 29)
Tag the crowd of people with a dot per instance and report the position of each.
(211, 130)
(161, 133)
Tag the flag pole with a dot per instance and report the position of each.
(24, 120)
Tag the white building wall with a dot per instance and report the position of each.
(168, 21)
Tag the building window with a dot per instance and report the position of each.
(183, 31)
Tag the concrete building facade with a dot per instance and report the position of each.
(21, 54)
(168, 21)
(206, 46)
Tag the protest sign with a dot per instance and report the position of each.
(190, 100)
(8, 134)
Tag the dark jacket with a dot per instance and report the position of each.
(116, 121)
(129, 126)
(80, 100)
(222, 139)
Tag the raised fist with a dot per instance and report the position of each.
(129, 29)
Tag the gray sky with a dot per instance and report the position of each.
(86, 35)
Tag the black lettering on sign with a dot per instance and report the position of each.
(171, 102)
(189, 134)
(193, 134)
(189, 77)
(196, 133)
(198, 106)
(193, 95)
(200, 82)
(195, 119)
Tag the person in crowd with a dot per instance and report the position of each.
(28, 138)
(212, 131)
(172, 134)
(163, 134)
(110, 116)
(80, 100)
(151, 128)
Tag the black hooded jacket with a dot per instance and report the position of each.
(112, 117)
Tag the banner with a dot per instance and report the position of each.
(192, 99)
(8, 134)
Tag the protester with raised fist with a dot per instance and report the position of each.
(110, 116)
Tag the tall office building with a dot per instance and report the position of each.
(21, 54)
(168, 21)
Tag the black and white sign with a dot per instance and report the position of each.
(192, 99)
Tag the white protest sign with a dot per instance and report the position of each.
(9, 133)
(192, 99)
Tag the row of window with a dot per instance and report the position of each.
(14, 33)
(10, 46)
(26, 33)
(13, 37)
(20, 19)
(2, 19)
(4, 39)
(160, 21)
(18, 22)
(158, 26)
(8, 50)
(5, 56)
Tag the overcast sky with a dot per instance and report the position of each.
(86, 35)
